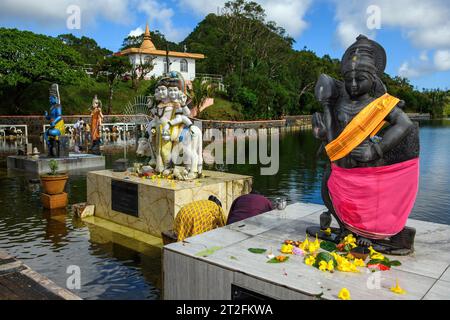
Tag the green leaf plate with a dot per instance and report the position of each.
(328, 246)
(257, 250)
(208, 252)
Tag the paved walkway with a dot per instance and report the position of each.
(19, 282)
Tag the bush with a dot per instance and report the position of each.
(223, 110)
(247, 98)
(221, 94)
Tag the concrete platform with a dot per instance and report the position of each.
(151, 206)
(75, 162)
(424, 275)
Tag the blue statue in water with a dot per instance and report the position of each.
(55, 134)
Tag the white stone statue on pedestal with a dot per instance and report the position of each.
(171, 131)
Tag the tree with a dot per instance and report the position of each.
(438, 100)
(27, 58)
(89, 50)
(140, 69)
(201, 90)
(158, 39)
(113, 68)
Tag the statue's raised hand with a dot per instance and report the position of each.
(319, 128)
(365, 153)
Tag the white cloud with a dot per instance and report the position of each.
(424, 66)
(442, 60)
(161, 17)
(347, 33)
(136, 32)
(288, 14)
(425, 23)
(53, 13)
(406, 70)
(424, 56)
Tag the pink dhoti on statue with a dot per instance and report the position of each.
(375, 202)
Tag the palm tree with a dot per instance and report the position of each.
(201, 90)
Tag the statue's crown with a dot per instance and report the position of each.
(173, 79)
(364, 55)
(54, 92)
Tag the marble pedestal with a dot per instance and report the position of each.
(233, 270)
(74, 162)
(159, 201)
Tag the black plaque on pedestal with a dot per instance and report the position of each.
(124, 198)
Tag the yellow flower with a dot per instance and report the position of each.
(330, 266)
(377, 256)
(397, 289)
(350, 257)
(287, 249)
(346, 266)
(323, 266)
(305, 244)
(327, 232)
(372, 251)
(350, 239)
(313, 247)
(359, 263)
(317, 242)
(344, 294)
(310, 261)
(335, 255)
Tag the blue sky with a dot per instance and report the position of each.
(415, 33)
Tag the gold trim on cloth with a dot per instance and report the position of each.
(367, 123)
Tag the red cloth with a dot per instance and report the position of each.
(248, 206)
(375, 202)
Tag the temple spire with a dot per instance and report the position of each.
(147, 44)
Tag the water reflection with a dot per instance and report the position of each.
(55, 228)
(115, 267)
(51, 241)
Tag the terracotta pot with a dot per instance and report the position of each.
(54, 184)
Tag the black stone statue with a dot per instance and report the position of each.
(387, 156)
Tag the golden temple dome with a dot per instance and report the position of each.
(147, 44)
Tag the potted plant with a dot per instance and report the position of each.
(54, 183)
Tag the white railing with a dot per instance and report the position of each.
(212, 78)
(207, 76)
(20, 130)
(124, 126)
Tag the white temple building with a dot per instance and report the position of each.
(182, 62)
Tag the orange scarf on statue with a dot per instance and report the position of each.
(367, 123)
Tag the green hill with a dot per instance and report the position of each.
(222, 110)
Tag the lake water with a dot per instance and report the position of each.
(113, 267)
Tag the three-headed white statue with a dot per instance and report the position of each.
(172, 133)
